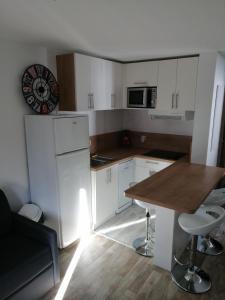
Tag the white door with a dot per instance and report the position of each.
(105, 193)
(71, 134)
(187, 69)
(109, 85)
(113, 85)
(118, 88)
(125, 179)
(74, 190)
(98, 74)
(83, 82)
(166, 85)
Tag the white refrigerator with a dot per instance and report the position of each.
(59, 172)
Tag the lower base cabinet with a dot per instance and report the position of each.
(109, 184)
(125, 180)
(104, 194)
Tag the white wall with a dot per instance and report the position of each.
(204, 95)
(216, 113)
(14, 58)
(141, 121)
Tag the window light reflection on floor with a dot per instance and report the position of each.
(84, 230)
(124, 225)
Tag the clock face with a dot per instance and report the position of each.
(40, 89)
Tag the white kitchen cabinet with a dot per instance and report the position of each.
(187, 71)
(90, 80)
(88, 83)
(125, 180)
(141, 74)
(113, 85)
(177, 82)
(83, 82)
(166, 85)
(145, 168)
(104, 194)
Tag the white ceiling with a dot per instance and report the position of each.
(121, 29)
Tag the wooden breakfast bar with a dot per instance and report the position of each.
(180, 188)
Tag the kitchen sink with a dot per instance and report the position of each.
(99, 160)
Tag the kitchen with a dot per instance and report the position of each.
(123, 160)
(133, 152)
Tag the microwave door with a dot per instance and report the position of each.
(137, 97)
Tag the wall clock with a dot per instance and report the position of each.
(40, 89)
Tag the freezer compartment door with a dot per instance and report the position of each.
(71, 134)
(74, 188)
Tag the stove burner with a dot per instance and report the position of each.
(171, 155)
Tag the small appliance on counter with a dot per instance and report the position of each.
(125, 139)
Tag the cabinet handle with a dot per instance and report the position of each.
(177, 99)
(89, 101)
(113, 96)
(109, 175)
(151, 162)
(140, 82)
(173, 98)
(92, 101)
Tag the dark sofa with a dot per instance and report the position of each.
(28, 256)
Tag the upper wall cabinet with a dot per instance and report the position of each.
(113, 85)
(88, 83)
(177, 80)
(141, 74)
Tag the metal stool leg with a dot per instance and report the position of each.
(209, 246)
(190, 278)
(144, 245)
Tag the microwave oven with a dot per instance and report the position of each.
(143, 97)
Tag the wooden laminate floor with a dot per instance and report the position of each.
(109, 270)
(125, 227)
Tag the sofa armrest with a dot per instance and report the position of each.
(40, 233)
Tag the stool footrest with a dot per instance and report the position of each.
(194, 280)
(209, 246)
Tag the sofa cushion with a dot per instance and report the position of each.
(21, 260)
(5, 214)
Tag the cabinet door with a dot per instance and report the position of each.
(83, 81)
(113, 85)
(98, 83)
(141, 74)
(105, 191)
(125, 179)
(187, 69)
(117, 97)
(166, 85)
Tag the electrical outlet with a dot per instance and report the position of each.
(143, 138)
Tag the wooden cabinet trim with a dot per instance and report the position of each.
(66, 79)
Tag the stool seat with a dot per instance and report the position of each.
(190, 277)
(204, 220)
(216, 197)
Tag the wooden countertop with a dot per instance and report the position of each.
(182, 186)
(122, 154)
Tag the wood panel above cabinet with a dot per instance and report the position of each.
(88, 83)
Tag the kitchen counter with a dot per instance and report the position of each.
(122, 154)
(182, 186)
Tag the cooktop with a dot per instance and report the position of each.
(165, 154)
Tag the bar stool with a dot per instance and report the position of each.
(207, 244)
(189, 277)
(145, 245)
